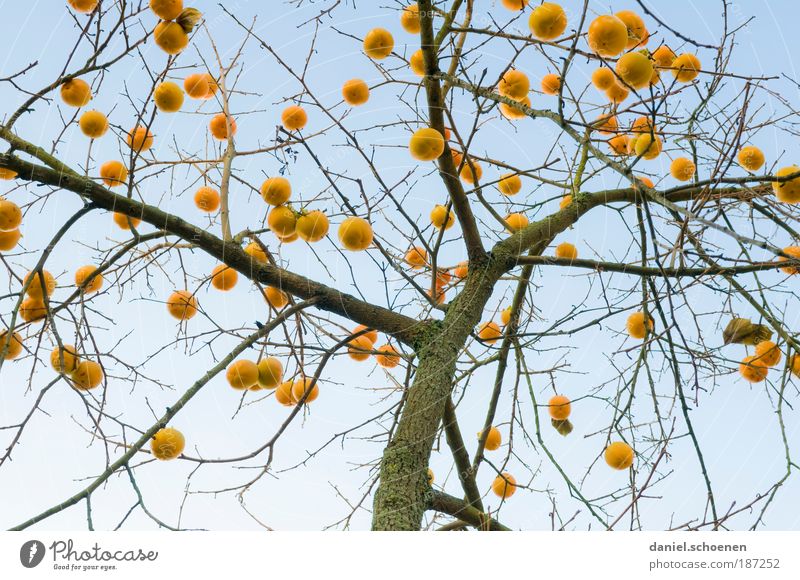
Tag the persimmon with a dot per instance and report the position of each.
(635, 325)
(282, 221)
(76, 93)
(313, 226)
(565, 201)
(514, 84)
(566, 251)
(168, 97)
(303, 386)
(83, 6)
(35, 289)
(223, 277)
(270, 372)
(471, 172)
(32, 309)
(646, 180)
(603, 78)
(275, 297)
(637, 31)
(513, 112)
(219, 126)
(663, 56)
(409, 19)
(10, 215)
(753, 369)
(461, 270)
(443, 278)
(547, 21)
(606, 124)
(355, 92)
(619, 144)
(113, 173)
(7, 174)
(426, 144)
(283, 394)
(619, 455)
(751, 158)
(358, 348)
(515, 222)
(166, 9)
(515, 4)
(489, 332)
(504, 485)
(430, 478)
(643, 125)
(551, 84)
(294, 118)
(88, 374)
(647, 146)
(371, 334)
(9, 240)
(355, 234)
(387, 357)
(139, 139)
(288, 239)
(276, 190)
(242, 374)
(617, 93)
(11, 345)
(787, 191)
(170, 37)
(124, 222)
(82, 274)
(767, 352)
(794, 252)
(559, 407)
(378, 43)
(200, 86)
(509, 184)
(686, 67)
(608, 35)
(682, 168)
(67, 353)
(256, 252)
(635, 69)
(93, 124)
(207, 199)
(417, 63)
(438, 296)
(795, 366)
(167, 443)
(493, 439)
(441, 217)
(182, 305)
(416, 257)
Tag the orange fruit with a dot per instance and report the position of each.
(170, 37)
(358, 348)
(113, 173)
(67, 353)
(12, 345)
(283, 394)
(166, 9)
(635, 69)
(565, 201)
(303, 386)
(442, 218)
(768, 353)
(223, 277)
(417, 63)
(32, 309)
(355, 234)
(619, 144)
(207, 199)
(83, 6)
(378, 43)
(567, 251)
(647, 146)
(471, 172)
(282, 221)
(619, 455)
(76, 93)
(371, 334)
(515, 4)
(787, 191)
(313, 226)
(663, 56)
(636, 326)
(256, 253)
(461, 270)
(182, 305)
(686, 67)
(7, 174)
(504, 485)
(505, 316)
(168, 97)
(682, 168)
(93, 124)
(617, 93)
(276, 190)
(493, 439)
(509, 184)
(388, 357)
(355, 92)
(637, 31)
(409, 19)
(489, 332)
(35, 289)
(200, 86)
(751, 158)
(559, 407)
(9, 240)
(81, 275)
(140, 139)
(426, 144)
(512, 112)
(294, 118)
(795, 363)
(242, 374)
(606, 124)
(10, 215)
(516, 221)
(416, 257)
(514, 84)
(124, 222)
(219, 126)
(551, 84)
(603, 78)
(793, 251)
(608, 35)
(270, 372)
(547, 21)
(87, 375)
(167, 443)
(275, 297)
(753, 369)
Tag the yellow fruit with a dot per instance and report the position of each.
(167, 443)
(371, 334)
(313, 226)
(113, 173)
(242, 374)
(493, 439)
(83, 6)
(76, 93)
(294, 118)
(219, 126)
(637, 32)
(643, 125)
(793, 251)
(663, 56)
(388, 357)
(636, 326)
(200, 86)
(565, 201)
(603, 79)
(795, 362)
(166, 9)
(489, 332)
(682, 169)
(442, 218)
(283, 394)
(606, 124)
(170, 37)
(566, 251)
(426, 144)
(358, 348)
(93, 124)
(355, 234)
(140, 139)
(68, 354)
(635, 69)
(378, 43)
(124, 222)
(303, 386)
(515, 222)
(409, 19)
(7, 174)
(512, 112)
(505, 316)
(753, 370)
(207, 199)
(504, 485)
(282, 221)
(647, 146)
(551, 84)
(168, 97)
(270, 372)
(10, 215)
(224, 278)
(751, 158)
(619, 144)
(430, 476)
(32, 309)
(608, 35)
(82, 273)
(768, 353)
(9, 240)
(509, 184)
(416, 257)
(355, 92)
(619, 455)
(686, 67)
(182, 305)
(35, 289)
(471, 172)
(559, 407)
(417, 63)
(617, 93)
(256, 252)
(514, 84)
(12, 345)
(515, 4)
(275, 297)
(547, 21)
(276, 190)
(87, 375)
(787, 191)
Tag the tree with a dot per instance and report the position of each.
(707, 247)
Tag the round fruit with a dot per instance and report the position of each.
(636, 326)
(430, 476)
(515, 4)
(751, 158)
(223, 277)
(753, 369)
(788, 191)
(635, 69)
(603, 78)
(87, 375)
(359, 348)
(283, 394)
(647, 146)
(606, 124)
(219, 126)
(125, 222)
(489, 332)
(68, 354)
(426, 144)
(619, 144)
(355, 234)
(32, 309)
(83, 6)
(637, 32)
(82, 274)
(493, 439)
(566, 251)
(10, 215)
(505, 316)
(355, 92)
(409, 19)
(294, 118)
(303, 386)
(93, 124)
(275, 297)
(559, 407)
(76, 93)
(9, 240)
(371, 334)
(442, 218)
(13, 348)
(461, 270)
(182, 305)
(547, 21)
(682, 169)
(166, 9)
(514, 84)
(512, 112)
(113, 173)
(471, 172)
(516, 221)
(619, 455)
(200, 86)
(416, 257)
(168, 97)
(509, 184)
(282, 221)
(207, 199)
(388, 357)
(35, 289)
(270, 372)
(686, 67)
(504, 485)
(551, 84)
(767, 352)
(170, 37)
(167, 443)
(608, 35)
(7, 174)
(795, 363)
(140, 139)
(242, 374)
(313, 226)
(254, 250)
(378, 43)
(417, 63)
(565, 201)
(663, 56)
(617, 93)
(794, 252)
